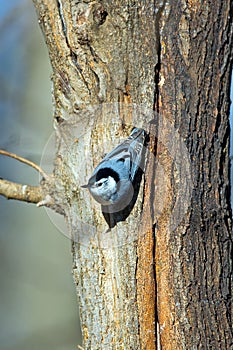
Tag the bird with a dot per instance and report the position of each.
(115, 181)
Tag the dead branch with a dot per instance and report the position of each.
(25, 161)
(25, 193)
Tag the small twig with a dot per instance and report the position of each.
(26, 161)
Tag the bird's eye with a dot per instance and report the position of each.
(99, 184)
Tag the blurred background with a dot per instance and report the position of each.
(38, 308)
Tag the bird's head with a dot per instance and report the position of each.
(103, 185)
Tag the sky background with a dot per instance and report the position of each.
(38, 307)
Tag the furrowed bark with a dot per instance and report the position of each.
(195, 260)
(172, 58)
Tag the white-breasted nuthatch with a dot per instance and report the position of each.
(115, 181)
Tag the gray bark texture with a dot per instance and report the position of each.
(161, 278)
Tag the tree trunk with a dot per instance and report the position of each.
(195, 260)
(115, 65)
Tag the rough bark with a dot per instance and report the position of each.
(104, 52)
(195, 260)
(172, 57)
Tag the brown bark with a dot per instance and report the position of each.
(195, 260)
(175, 58)
(97, 51)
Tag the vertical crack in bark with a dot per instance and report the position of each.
(60, 10)
(157, 79)
(155, 126)
(157, 20)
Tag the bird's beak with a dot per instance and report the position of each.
(84, 186)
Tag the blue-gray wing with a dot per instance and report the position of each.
(131, 149)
